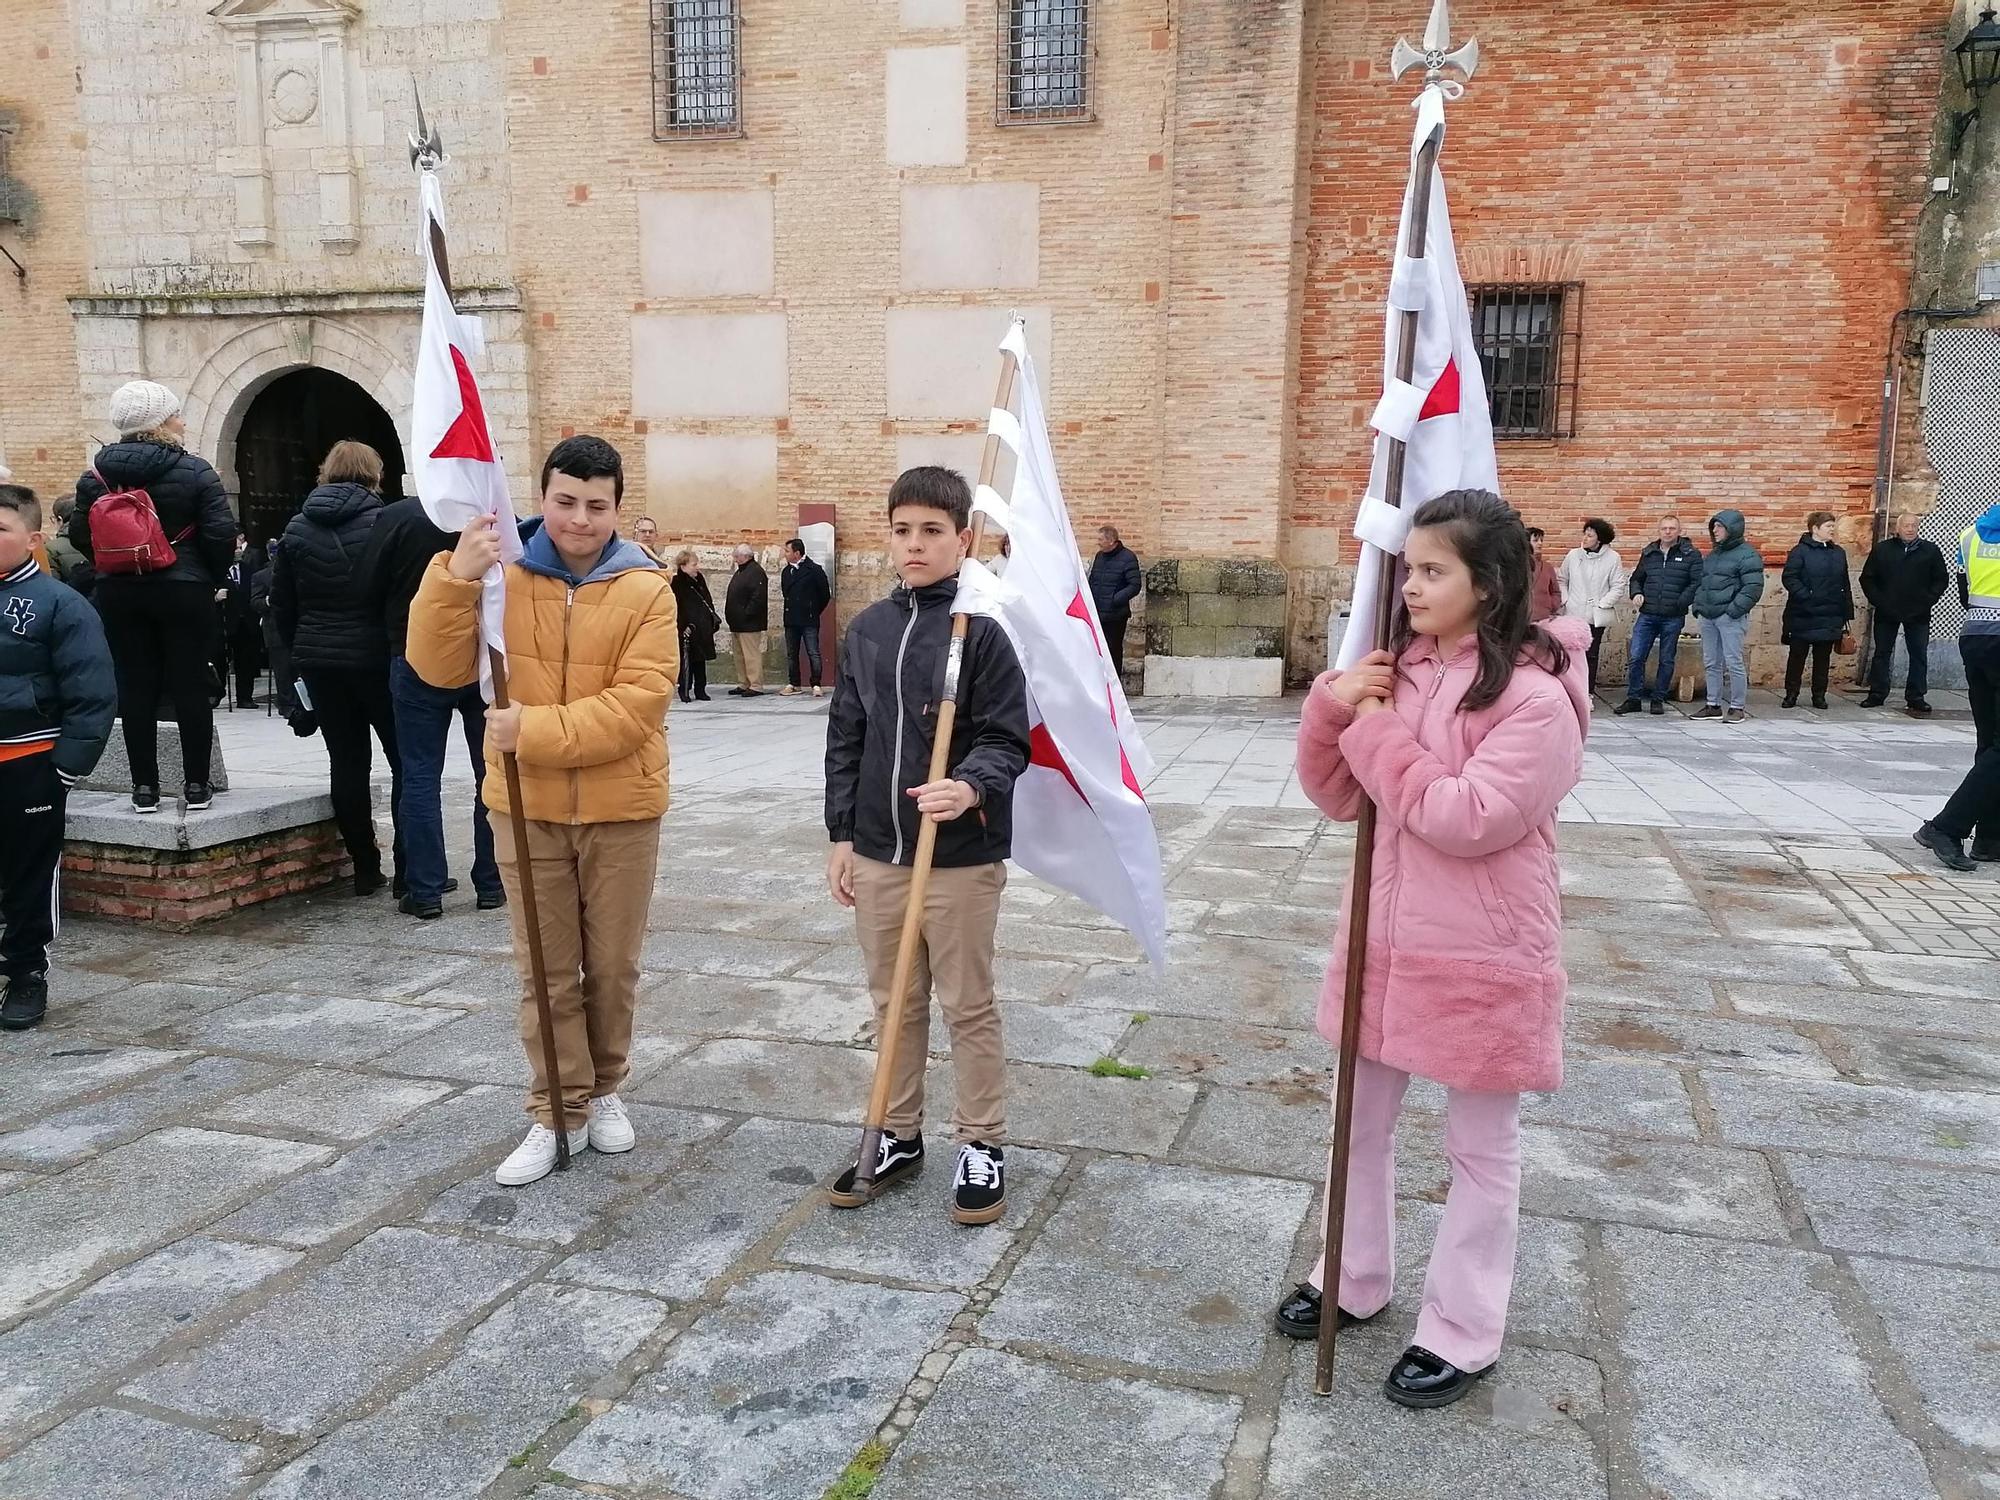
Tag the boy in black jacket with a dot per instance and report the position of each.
(57, 699)
(879, 737)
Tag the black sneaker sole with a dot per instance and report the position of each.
(876, 1189)
(1443, 1398)
(21, 1023)
(977, 1216)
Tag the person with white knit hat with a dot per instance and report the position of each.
(158, 604)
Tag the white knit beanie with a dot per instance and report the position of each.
(141, 405)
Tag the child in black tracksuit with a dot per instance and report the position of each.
(879, 736)
(57, 700)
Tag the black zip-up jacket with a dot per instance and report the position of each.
(1666, 580)
(316, 578)
(400, 549)
(188, 497)
(884, 719)
(746, 603)
(1905, 580)
(1115, 582)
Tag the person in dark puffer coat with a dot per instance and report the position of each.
(339, 647)
(1819, 603)
(158, 623)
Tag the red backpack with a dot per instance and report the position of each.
(125, 532)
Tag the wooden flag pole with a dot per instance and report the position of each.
(1364, 837)
(426, 154)
(873, 1121)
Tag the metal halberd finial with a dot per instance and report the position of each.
(1436, 56)
(426, 145)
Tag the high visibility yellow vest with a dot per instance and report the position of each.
(1981, 562)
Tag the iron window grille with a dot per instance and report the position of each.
(697, 69)
(1530, 336)
(1047, 65)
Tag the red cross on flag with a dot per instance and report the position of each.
(1441, 411)
(1080, 819)
(454, 464)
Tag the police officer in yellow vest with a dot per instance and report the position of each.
(1974, 809)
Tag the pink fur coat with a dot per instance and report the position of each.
(1464, 981)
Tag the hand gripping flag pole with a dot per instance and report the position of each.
(920, 875)
(462, 480)
(1379, 591)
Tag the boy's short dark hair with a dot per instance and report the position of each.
(933, 488)
(796, 545)
(20, 499)
(586, 457)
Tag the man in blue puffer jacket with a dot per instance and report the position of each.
(57, 700)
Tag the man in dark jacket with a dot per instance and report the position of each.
(879, 740)
(57, 696)
(400, 549)
(1662, 585)
(746, 610)
(807, 594)
(1731, 583)
(1114, 584)
(1904, 578)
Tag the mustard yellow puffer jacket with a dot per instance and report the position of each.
(593, 666)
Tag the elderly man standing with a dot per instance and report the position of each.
(746, 610)
(1115, 581)
(1904, 578)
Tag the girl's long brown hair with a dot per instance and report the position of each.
(1487, 534)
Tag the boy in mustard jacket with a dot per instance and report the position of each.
(592, 656)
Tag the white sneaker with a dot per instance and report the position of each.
(610, 1128)
(535, 1157)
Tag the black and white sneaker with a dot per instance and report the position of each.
(145, 799)
(898, 1158)
(198, 796)
(979, 1191)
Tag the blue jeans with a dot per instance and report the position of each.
(423, 732)
(801, 638)
(1722, 656)
(1646, 630)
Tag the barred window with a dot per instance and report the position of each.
(697, 69)
(1529, 337)
(12, 198)
(1045, 61)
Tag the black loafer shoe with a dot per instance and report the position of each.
(1949, 851)
(490, 900)
(423, 911)
(1871, 701)
(1298, 1315)
(899, 1158)
(1422, 1379)
(1629, 706)
(1656, 707)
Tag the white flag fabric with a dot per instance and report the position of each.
(453, 461)
(1080, 819)
(1441, 412)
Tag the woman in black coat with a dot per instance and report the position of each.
(698, 624)
(1819, 604)
(159, 623)
(340, 648)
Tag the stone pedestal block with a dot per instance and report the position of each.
(114, 771)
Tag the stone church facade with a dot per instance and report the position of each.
(767, 247)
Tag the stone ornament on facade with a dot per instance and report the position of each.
(294, 97)
(257, 29)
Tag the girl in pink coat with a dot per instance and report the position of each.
(1466, 734)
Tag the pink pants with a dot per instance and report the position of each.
(1471, 1272)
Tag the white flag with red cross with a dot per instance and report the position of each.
(453, 461)
(1080, 816)
(1440, 412)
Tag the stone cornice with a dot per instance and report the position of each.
(288, 304)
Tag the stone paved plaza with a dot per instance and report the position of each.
(250, 1242)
